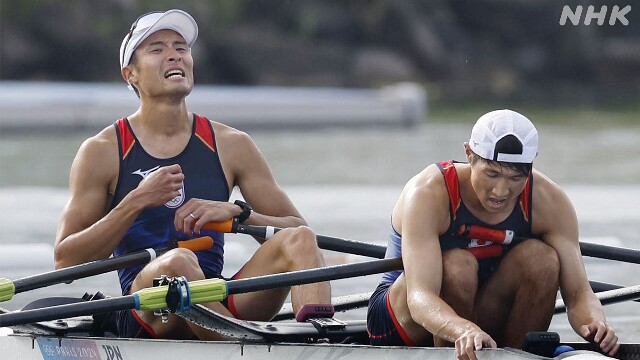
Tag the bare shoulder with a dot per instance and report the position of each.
(229, 136)
(105, 140)
(546, 191)
(428, 180)
(550, 203)
(425, 193)
(239, 155)
(98, 156)
(234, 144)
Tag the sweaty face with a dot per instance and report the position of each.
(497, 187)
(163, 65)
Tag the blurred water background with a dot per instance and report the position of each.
(578, 84)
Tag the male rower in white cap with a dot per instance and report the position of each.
(466, 290)
(161, 173)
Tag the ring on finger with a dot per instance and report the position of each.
(193, 216)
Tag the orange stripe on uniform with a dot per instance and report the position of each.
(126, 137)
(204, 132)
(525, 198)
(451, 179)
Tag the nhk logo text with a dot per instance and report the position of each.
(617, 14)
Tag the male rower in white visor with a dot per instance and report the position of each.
(163, 172)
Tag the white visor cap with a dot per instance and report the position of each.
(176, 20)
(494, 126)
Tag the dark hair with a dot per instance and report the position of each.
(523, 169)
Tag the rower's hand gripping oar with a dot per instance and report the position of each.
(9, 288)
(181, 295)
(324, 242)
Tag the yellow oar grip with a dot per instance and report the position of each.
(209, 290)
(153, 298)
(202, 291)
(7, 289)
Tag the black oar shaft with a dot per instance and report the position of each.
(352, 247)
(67, 275)
(324, 242)
(313, 275)
(378, 251)
(610, 252)
(67, 311)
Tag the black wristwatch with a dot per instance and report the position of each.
(246, 211)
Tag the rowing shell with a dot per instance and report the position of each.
(68, 340)
(76, 339)
(28, 347)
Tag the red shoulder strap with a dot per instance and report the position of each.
(525, 199)
(126, 137)
(204, 131)
(451, 179)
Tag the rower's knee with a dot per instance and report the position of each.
(459, 274)
(539, 263)
(299, 241)
(180, 262)
(299, 248)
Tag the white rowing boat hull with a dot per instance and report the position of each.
(25, 347)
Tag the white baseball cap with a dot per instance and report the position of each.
(506, 136)
(147, 24)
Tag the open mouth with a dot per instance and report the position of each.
(496, 202)
(173, 74)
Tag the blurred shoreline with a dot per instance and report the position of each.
(65, 107)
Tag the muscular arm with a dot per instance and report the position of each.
(423, 213)
(554, 217)
(258, 186)
(87, 230)
(245, 167)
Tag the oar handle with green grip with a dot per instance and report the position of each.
(7, 289)
(154, 298)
